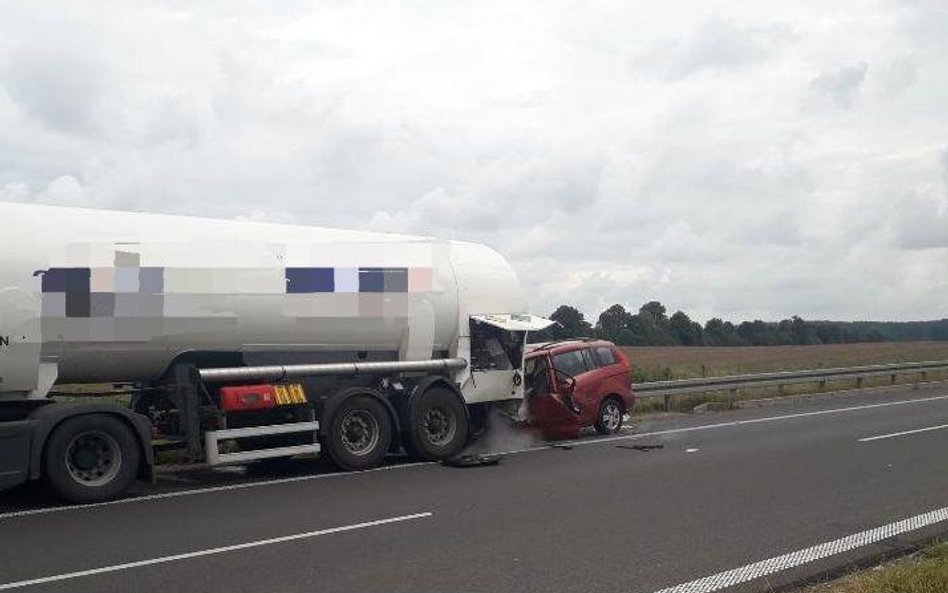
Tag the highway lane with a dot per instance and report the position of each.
(726, 490)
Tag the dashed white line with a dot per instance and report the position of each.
(903, 433)
(207, 552)
(207, 490)
(770, 566)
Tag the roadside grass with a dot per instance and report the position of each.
(681, 362)
(923, 572)
(662, 363)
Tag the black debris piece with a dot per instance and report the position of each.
(475, 460)
(645, 448)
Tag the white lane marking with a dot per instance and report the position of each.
(243, 485)
(770, 566)
(208, 552)
(903, 433)
(207, 490)
(729, 424)
(691, 450)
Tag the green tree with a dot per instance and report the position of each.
(655, 324)
(611, 322)
(570, 323)
(685, 331)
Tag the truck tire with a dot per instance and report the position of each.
(91, 458)
(438, 424)
(360, 433)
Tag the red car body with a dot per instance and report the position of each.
(574, 384)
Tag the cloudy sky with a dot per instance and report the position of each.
(735, 159)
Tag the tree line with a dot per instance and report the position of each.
(651, 326)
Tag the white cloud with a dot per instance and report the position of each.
(729, 158)
(842, 84)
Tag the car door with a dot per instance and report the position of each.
(593, 388)
(578, 365)
(547, 401)
(615, 373)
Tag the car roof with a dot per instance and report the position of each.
(558, 346)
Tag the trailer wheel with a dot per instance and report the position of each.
(438, 424)
(360, 433)
(91, 458)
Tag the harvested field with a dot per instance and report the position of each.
(656, 363)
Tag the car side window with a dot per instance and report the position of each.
(588, 359)
(572, 363)
(605, 356)
(538, 380)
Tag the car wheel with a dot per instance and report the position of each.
(609, 419)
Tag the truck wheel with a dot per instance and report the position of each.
(609, 420)
(91, 458)
(360, 433)
(438, 426)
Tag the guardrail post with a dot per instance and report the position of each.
(822, 384)
(668, 399)
(892, 378)
(859, 381)
(780, 389)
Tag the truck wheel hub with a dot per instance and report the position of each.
(93, 458)
(360, 432)
(440, 426)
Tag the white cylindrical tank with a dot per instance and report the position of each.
(117, 296)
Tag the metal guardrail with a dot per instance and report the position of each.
(732, 383)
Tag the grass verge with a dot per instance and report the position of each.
(923, 572)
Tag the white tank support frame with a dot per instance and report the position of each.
(281, 372)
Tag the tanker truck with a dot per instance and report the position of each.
(237, 342)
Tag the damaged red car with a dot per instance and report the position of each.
(574, 384)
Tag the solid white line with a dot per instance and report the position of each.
(770, 566)
(903, 433)
(207, 490)
(577, 443)
(208, 552)
(733, 423)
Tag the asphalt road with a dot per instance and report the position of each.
(726, 490)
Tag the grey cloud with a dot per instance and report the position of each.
(716, 44)
(841, 85)
(900, 74)
(678, 180)
(63, 86)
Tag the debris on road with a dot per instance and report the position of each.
(645, 448)
(474, 460)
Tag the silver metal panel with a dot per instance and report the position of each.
(279, 372)
(256, 431)
(245, 456)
